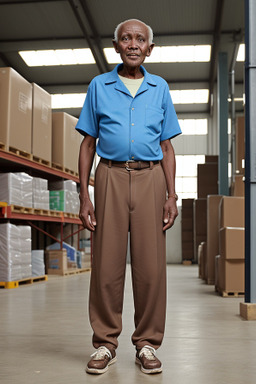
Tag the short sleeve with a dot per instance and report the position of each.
(88, 123)
(170, 126)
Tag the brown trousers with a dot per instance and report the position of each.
(128, 201)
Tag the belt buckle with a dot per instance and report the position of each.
(127, 165)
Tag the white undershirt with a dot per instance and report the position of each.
(132, 85)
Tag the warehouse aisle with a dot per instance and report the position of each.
(45, 336)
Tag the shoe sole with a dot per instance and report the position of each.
(148, 371)
(96, 371)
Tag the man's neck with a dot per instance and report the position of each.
(131, 73)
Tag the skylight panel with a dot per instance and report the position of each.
(241, 53)
(68, 100)
(190, 96)
(57, 57)
(169, 54)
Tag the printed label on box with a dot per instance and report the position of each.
(23, 102)
(45, 113)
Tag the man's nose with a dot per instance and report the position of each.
(133, 44)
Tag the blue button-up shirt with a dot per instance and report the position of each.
(128, 128)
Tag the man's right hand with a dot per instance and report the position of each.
(86, 214)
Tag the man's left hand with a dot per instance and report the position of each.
(170, 213)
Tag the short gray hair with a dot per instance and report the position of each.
(150, 31)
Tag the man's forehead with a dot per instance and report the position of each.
(133, 26)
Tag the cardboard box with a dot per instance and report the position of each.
(237, 188)
(200, 216)
(187, 251)
(187, 224)
(213, 202)
(56, 262)
(217, 272)
(202, 260)
(65, 141)
(200, 223)
(15, 110)
(207, 179)
(240, 144)
(211, 159)
(232, 243)
(41, 124)
(231, 275)
(232, 212)
(187, 236)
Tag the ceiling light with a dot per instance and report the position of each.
(169, 54)
(68, 100)
(57, 57)
(190, 96)
(241, 53)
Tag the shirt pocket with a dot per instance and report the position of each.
(154, 118)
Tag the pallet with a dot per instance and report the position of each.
(54, 213)
(18, 283)
(187, 262)
(63, 169)
(71, 215)
(58, 167)
(20, 153)
(41, 161)
(20, 209)
(229, 294)
(76, 271)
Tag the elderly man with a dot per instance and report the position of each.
(131, 114)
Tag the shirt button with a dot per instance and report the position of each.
(132, 141)
(132, 123)
(132, 109)
(132, 157)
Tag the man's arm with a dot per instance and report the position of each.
(169, 167)
(86, 156)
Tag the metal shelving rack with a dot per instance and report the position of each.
(12, 162)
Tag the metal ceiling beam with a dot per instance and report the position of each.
(215, 48)
(96, 37)
(15, 44)
(5, 60)
(96, 50)
(172, 82)
(16, 2)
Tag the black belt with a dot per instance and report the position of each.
(130, 165)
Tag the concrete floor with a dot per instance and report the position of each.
(45, 336)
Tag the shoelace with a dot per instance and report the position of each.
(101, 353)
(148, 352)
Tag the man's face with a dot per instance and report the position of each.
(133, 43)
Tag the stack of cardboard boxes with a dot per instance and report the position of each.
(28, 126)
(230, 261)
(213, 202)
(200, 224)
(187, 230)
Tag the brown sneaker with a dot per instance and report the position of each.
(148, 361)
(100, 360)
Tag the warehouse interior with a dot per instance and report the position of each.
(49, 53)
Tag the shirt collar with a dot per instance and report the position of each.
(113, 76)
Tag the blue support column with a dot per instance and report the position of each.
(222, 78)
(250, 161)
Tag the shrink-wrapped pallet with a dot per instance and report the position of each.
(16, 189)
(40, 193)
(38, 266)
(15, 252)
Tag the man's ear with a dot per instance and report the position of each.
(115, 46)
(150, 49)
